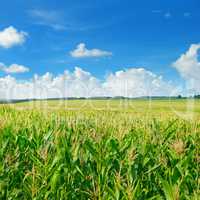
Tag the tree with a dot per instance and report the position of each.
(179, 96)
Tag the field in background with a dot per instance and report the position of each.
(100, 149)
(184, 107)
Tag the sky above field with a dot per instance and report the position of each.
(99, 48)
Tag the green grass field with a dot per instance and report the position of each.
(100, 149)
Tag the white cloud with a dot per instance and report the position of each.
(189, 67)
(81, 52)
(10, 37)
(14, 68)
(132, 82)
(136, 82)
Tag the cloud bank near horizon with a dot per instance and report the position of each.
(133, 82)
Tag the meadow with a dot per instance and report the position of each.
(100, 149)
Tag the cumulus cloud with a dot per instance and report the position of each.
(189, 67)
(81, 52)
(10, 37)
(13, 68)
(133, 82)
(136, 82)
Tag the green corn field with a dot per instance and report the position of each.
(129, 150)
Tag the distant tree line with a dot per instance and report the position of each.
(101, 98)
(197, 96)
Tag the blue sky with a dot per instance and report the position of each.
(146, 34)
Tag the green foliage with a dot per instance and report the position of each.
(97, 155)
